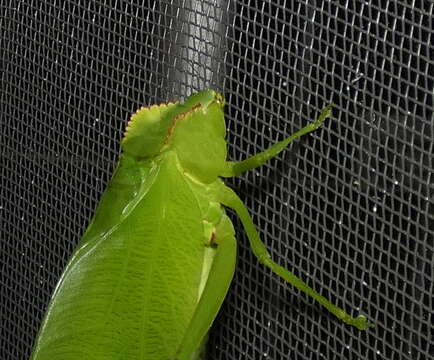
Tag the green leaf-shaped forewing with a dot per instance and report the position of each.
(131, 287)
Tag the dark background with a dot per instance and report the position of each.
(349, 208)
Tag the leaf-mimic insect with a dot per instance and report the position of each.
(151, 272)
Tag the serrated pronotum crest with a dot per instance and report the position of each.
(143, 113)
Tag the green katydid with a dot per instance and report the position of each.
(152, 270)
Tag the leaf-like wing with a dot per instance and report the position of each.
(131, 293)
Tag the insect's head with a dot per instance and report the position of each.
(199, 135)
(195, 130)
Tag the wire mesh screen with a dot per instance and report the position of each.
(348, 208)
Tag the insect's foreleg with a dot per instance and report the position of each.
(228, 198)
(234, 168)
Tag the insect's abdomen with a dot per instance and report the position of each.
(131, 294)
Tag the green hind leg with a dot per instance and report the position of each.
(217, 285)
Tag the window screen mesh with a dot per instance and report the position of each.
(349, 208)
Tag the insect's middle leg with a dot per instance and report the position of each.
(228, 198)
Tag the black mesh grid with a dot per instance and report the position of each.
(348, 208)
